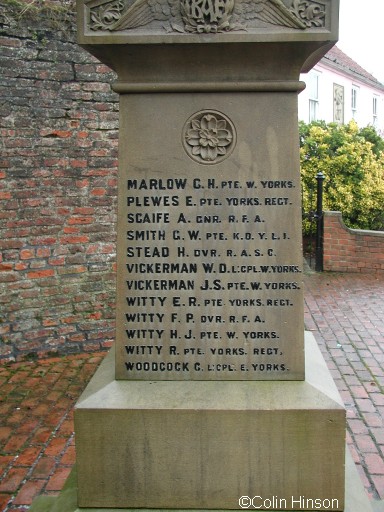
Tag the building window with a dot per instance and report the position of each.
(313, 91)
(375, 113)
(338, 104)
(354, 101)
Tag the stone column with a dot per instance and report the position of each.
(208, 399)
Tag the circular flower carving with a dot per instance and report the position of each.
(209, 137)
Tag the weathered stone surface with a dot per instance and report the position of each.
(355, 497)
(209, 268)
(209, 258)
(205, 444)
(211, 400)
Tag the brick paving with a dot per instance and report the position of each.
(37, 448)
(344, 311)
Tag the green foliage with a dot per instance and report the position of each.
(370, 134)
(352, 161)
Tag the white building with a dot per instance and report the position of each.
(338, 90)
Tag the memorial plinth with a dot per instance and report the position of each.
(208, 399)
(205, 444)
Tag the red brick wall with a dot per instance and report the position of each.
(351, 250)
(58, 158)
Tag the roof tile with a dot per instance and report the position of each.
(341, 60)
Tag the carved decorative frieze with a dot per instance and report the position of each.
(205, 16)
(105, 16)
(209, 137)
(310, 13)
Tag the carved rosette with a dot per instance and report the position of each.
(312, 14)
(209, 137)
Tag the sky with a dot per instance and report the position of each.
(361, 34)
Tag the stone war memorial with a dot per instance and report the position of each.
(215, 397)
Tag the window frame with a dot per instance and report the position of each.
(375, 113)
(354, 100)
(313, 95)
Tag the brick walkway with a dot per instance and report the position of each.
(36, 425)
(345, 313)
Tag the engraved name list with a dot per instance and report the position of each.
(210, 282)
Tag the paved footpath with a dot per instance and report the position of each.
(37, 448)
(344, 311)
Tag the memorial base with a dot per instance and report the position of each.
(204, 444)
(356, 499)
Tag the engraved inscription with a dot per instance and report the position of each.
(207, 15)
(210, 279)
